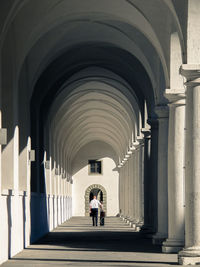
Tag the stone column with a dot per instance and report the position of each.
(191, 253)
(153, 177)
(129, 193)
(126, 189)
(162, 202)
(135, 185)
(122, 190)
(147, 181)
(175, 240)
(141, 182)
(131, 171)
(132, 187)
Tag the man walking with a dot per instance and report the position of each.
(94, 204)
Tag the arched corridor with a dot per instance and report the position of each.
(100, 97)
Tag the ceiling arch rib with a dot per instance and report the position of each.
(80, 122)
(111, 17)
(91, 111)
(136, 44)
(91, 11)
(102, 121)
(83, 92)
(62, 9)
(104, 85)
(95, 133)
(80, 104)
(83, 112)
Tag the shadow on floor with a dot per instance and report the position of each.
(77, 243)
(92, 261)
(101, 240)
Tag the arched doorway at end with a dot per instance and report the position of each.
(97, 190)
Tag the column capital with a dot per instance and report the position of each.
(162, 111)
(175, 96)
(132, 148)
(146, 132)
(192, 73)
(140, 140)
(129, 152)
(136, 144)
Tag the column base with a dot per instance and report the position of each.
(128, 220)
(158, 238)
(123, 217)
(189, 256)
(172, 246)
(133, 224)
(139, 226)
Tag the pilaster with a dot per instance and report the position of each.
(147, 227)
(191, 253)
(153, 176)
(162, 203)
(175, 240)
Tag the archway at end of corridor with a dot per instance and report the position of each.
(99, 191)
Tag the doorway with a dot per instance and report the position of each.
(95, 190)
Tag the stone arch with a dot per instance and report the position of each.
(87, 195)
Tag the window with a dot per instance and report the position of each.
(95, 167)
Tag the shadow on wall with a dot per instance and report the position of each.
(39, 218)
(39, 208)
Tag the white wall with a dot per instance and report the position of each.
(15, 223)
(109, 178)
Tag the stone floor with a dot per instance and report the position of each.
(77, 243)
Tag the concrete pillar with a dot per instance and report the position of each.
(162, 202)
(132, 186)
(141, 182)
(153, 177)
(135, 185)
(175, 240)
(147, 181)
(126, 188)
(130, 169)
(123, 190)
(191, 253)
(120, 188)
(136, 215)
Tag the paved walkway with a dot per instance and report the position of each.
(77, 243)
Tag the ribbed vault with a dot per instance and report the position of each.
(90, 108)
